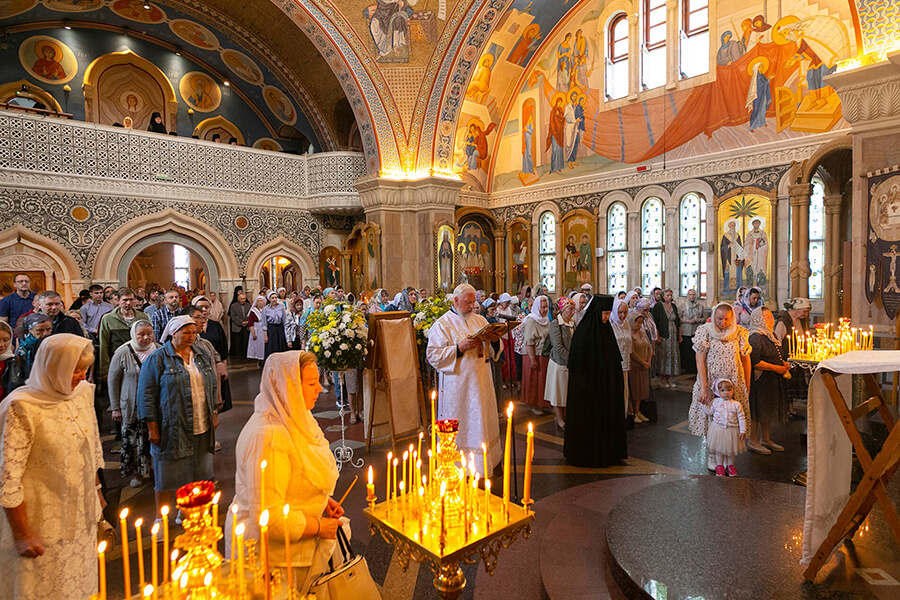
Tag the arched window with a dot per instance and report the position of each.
(653, 48)
(616, 248)
(692, 233)
(817, 239)
(652, 243)
(694, 38)
(547, 251)
(182, 261)
(617, 57)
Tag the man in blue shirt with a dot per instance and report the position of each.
(19, 302)
(170, 309)
(93, 311)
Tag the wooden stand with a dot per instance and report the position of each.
(878, 472)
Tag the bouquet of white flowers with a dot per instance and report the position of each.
(338, 336)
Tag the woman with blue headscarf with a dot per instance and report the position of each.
(751, 299)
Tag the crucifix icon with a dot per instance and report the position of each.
(892, 284)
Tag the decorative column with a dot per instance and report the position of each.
(601, 278)
(346, 269)
(833, 269)
(799, 269)
(634, 56)
(670, 251)
(499, 259)
(634, 249)
(406, 211)
(673, 32)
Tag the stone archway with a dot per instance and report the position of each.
(280, 246)
(23, 250)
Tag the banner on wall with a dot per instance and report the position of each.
(883, 241)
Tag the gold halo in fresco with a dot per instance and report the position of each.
(134, 10)
(280, 105)
(194, 34)
(11, 8)
(241, 223)
(48, 59)
(268, 144)
(242, 66)
(74, 5)
(200, 91)
(80, 213)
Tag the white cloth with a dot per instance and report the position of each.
(726, 413)
(465, 386)
(198, 396)
(301, 469)
(174, 325)
(556, 390)
(49, 456)
(828, 449)
(256, 346)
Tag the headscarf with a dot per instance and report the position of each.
(404, 303)
(270, 294)
(154, 126)
(281, 401)
(489, 302)
(50, 381)
(397, 298)
(198, 299)
(33, 319)
(630, 295)
(562, 303)
(255, 310)
(10, 352)
(174, 325)
(797, 304)
(614, 317)
(633, 316)
(715, 385)
(504, 297)
(375, 304)
(745, 299)
(326, 291)
(642, 304)
(579, 312)
(237, 290)
(722, 336)
(536, 312)
(757, 324)
(142, 351)
(622, 332)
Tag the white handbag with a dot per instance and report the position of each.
(350, 581)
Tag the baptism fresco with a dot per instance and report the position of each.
(536, 108)
(745, 257)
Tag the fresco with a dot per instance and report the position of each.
(48, 59)
(330, 267)
(280, 105)
(579, 234)
(74, 5)
(475, 255)
(134, 10)
(744, 244)
(11, 8)
(399, 32)
(446, 258)
(519, 256)
(242, 66)
(535, 109)
(194, 34)
(200, 92)
(268, 144)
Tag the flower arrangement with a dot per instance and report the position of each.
(338, 336)
(428, 311)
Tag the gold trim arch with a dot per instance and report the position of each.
(280, 246)
(127, 57)
(205, 125)
(57, 257)
(8, 91)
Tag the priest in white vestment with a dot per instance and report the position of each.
(465, 387)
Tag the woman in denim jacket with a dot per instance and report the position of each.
(176, 397)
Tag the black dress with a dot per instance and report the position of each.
(768, 398)
(215, 335)
(595, 405)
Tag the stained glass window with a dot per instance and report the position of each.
(817, 239)
(547, 251)
(692, 233)
(182, 258)
(652, 227)
(616, 247)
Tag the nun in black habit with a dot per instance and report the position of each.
(595, 406)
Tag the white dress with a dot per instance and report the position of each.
(465, 387)
(723, 360)
(49, 459)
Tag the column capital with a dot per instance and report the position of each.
(380, 193)
(800, 193)
(499, 233)
(833, 204)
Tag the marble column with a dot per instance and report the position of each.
(799, 269)
(673, 34)
(671, 268)
(408, 211)
(634, 249)
(499, 259)
(634, 56)
(601, 279)
(833, 269)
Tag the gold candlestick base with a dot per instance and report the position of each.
(526, 504)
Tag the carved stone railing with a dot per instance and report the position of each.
(40, 151)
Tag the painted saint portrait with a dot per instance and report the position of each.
(74, 5)
(134, 10)
(200, 91)
(12, 8)
(518, 252)
(242, 66)
(48, 59)
(445, 255)
(372, 254)
(268, 144)
(475, 255)
(194, 34)
(389, 28)
(578, 252)
(280, 105)
(330, 266)
(744, 254)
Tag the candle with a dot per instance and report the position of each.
(234, 510)
(421, 511)
(419, 448)
(410, 485)
(370, 487)
(484, 458)
(419, 476)
(172, 561)
(443, 530)
(216, 498)
(154, 559)
(387, 494)
(101, 556)
(475, 499)
(262, 486)
(140, 552)
(165, 527)
(239, 531)
(529, 456)
(506, 457)
(287, 544)
(433, 466)
(487, 505)
(405, 485)
(395, 477)
(148, 590)
(264, 535)
(403, 503)
(430, 466)
(126, 561)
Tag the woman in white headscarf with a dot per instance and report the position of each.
(124, 371)
(301, 469)
(256, 347)
(49, 457)
(535, 329)
(620, 326)
(581, 302)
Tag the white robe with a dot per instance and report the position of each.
(465, 387)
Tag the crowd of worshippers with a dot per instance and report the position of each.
(157, 126)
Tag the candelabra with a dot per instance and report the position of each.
(807, 350)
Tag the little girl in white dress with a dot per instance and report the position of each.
(727, 428)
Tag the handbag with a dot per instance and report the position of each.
(350, 581)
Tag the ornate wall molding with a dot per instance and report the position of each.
(871, 93)
(404, 194)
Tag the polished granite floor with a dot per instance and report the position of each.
(662, 449)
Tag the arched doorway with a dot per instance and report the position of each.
(168, 263)
(281, 271)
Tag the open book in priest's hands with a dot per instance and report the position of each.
(494, 331)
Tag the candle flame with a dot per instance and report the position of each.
(101, 547)
(402, 487)
(371, 475)
(421, 491)
(164, 511)
(264, 518)
(509, 411)
(405, 455)
(217, 497)
(148, 590)
(184, 580)
(487, 484)
(429, 453)
(395, 462)
(424, 479)
(418, 463)
(174, 554)
(421, 434)
(443, 488)
(287, 509)
(208, 579)
(124, 514)
(239, 530)
(433, 394)
(530, 427)
(138, 523)
(483, 447)
(176, 575)
(155, 529)
(263, 465)
(390, 456)
(234, 508)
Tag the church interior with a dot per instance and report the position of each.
(523, 148)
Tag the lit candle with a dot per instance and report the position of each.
(403, 503)
(101, 556)
(239, 531)
(484, 457)
(430, 466)
(262, 486)
(475, 499)
(234, 511)
(529, 456)
(433, 435)
(388, 495)
(419, 449)
(140, 552)
(148, 590)
(165, 517)
(395, 477)
(126, 561)
(410, 485)
(487, 505)
(405, 485)
(216, 498)
(421, 511)
(370, 487)
(287, 543)
(154, 559)
(506, 458)
(264, 535)
(172, 561)
(443, 530)
(419, 476)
